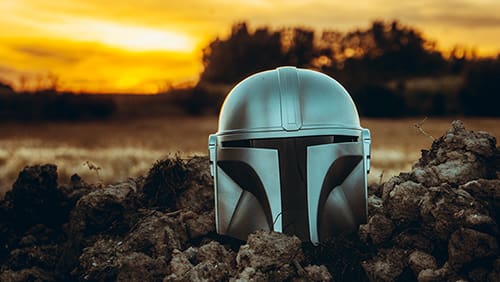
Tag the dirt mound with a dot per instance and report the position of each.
(438, 222)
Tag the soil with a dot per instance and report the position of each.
(438, 222)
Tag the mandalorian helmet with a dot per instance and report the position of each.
(289, 156)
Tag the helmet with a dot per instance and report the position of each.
(289, 156)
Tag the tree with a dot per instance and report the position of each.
(480, 94)
(301, 50)
(243, 53)
(385, 51)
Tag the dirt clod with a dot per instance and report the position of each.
(266, 250)
(467, 245)
(388, 265)
(419, 261)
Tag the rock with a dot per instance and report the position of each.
(44, 257)
(103, 210)
(214, 257)
(435, 275)
(444, 209)
(375, 189)
(266, 250)
(214, 263)
(158, 234)
(76, 189)
(35, 197)
(207, 271)
(39, 234)
(342, 255)
(107, 261)
(419, 261)
(317, 273)
(388, 186)
(388, 265)
(174, 184)
(481, 222)
(199, 170)
(402, 202)
(494, 275)
(191, 253)
(164, 181)
(34, 274)
(198, 225)
(413, 239)
(99, 261)
(140, 267)
(379, 229)
(487, 191)
(250, 274)
(198, 195)
(478, 274)
(375, 205)
(215, 252)
(467, 245)
(179, 266)
(284, 273)
(456, 158)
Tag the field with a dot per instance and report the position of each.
(128, 148)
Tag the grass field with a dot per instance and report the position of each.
(128, 148)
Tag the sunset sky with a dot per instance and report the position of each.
(142, 46)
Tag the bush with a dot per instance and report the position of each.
(47, 105)
(480, 94)
(375, 100)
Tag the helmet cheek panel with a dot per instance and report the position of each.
(336, 189)
(252, 176)
(343, 209)
(226, 200)
(248, 180)
(248, 217)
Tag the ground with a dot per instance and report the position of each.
(436, 222)
(127, 148)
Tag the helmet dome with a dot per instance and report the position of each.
(287, 99)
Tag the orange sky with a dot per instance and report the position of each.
(142, 46)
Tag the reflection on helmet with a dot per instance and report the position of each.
(289, 156)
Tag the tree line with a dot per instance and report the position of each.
(389, 68)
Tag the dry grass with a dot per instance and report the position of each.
(125, 149)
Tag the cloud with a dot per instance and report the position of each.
(46, 53)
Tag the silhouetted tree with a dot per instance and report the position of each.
(243, 53)
(5, 88)
(378, 101)
(366, 61)
(385, 51)
(480, 94)
(301, 50)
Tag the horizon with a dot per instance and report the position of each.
(122, 47)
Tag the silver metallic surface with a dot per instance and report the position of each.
(287, 102)
(289, 156)
(265, 164)
(342, 209)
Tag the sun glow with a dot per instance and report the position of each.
(133, 38)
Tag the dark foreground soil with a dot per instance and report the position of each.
(438, 222)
